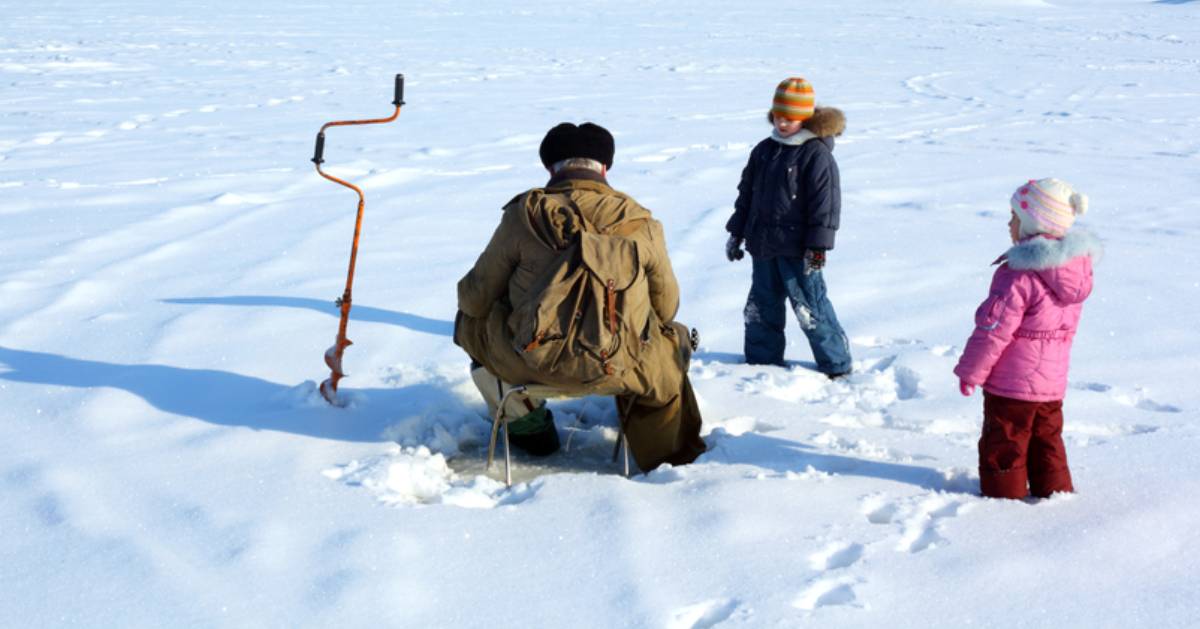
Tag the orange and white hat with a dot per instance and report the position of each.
(1047, 206)
(794, 99)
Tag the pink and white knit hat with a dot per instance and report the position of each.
(1047, 206)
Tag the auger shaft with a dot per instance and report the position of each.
(333, 355)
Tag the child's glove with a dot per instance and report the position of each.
(966, 388)
(814, 260)
(733, 249)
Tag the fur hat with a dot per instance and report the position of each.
(794, 99)
(568, 140)
(1047, 206)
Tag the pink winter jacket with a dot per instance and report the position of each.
(1023, 331)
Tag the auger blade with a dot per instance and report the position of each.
(329, 392)
(333, 358)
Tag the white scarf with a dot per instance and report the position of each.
(796, 139)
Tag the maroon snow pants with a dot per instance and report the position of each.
(1021, 451)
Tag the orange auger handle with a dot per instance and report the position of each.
(333, 355)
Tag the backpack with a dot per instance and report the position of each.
(588, 314)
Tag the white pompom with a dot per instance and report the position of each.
(1079, 202)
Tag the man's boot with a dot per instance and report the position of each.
(535, 432)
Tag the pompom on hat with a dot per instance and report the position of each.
(794, 99)
(1047, 206)
(567, 140)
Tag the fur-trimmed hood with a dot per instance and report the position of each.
(826, 123)
(1042, 252)
(1065, 264)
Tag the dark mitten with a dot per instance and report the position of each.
(814, 260)
(733, 249)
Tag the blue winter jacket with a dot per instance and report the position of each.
(789, 198)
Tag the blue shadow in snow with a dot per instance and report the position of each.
(783, 455)
(738, 359)
(357, 312)
(720, 357)
(229, 399)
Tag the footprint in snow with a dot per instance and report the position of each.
(742, 424)
(705, 614)
(790, 386)
(908, 383)
(275, 102)
(45, 139)
(944, 350)
(920, 529)
(703, 371)
(1137, 398)
(879, 510)
(828, 592)
(836, 556)
(878, 342)
(920, 519)
(1088, 431)
(49, 510)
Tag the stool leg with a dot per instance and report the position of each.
(622, 443)
(625, 444)
(507, 459)
(497, 423)
(492, 442)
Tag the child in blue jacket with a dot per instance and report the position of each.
(786, 215)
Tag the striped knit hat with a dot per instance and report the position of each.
(794, 99)
(1047, 206)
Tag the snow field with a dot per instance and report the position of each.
(168, 262)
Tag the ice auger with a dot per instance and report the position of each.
(333, 355)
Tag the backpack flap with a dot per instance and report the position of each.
(544, 325)
(611, 328)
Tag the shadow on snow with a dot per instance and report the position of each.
(357, 312)
(230, 399)
(785, 455)
(729, 358)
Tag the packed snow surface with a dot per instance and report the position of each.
(169, 260)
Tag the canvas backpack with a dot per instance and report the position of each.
(588, 314)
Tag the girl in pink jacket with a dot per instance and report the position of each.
(1021, 345)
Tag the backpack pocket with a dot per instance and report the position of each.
(612, 330)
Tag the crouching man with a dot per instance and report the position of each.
(575, 291)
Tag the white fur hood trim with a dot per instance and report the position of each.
(1040, 253)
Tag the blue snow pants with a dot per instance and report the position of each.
(779, 278)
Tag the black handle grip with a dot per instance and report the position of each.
(399, 100)
(319, 151)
